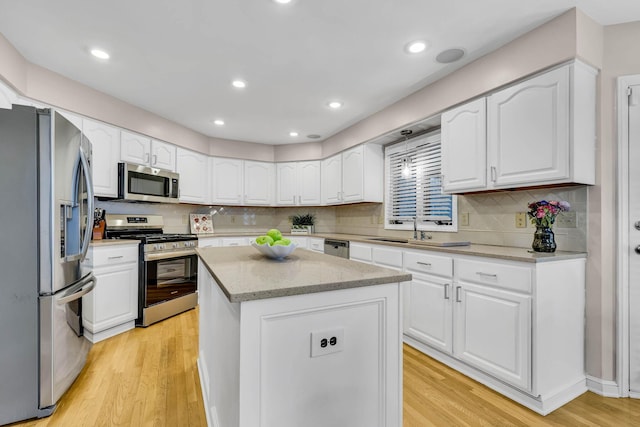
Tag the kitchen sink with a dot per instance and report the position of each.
(388, 239)
(438, 244)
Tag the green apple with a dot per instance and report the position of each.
(275, 234)
(261, 240)
(282, 242)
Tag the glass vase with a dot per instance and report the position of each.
(543, 240)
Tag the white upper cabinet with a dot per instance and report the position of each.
(226, 181)
(538, 132)
(529, 131)
(163, 155)
(259, 183)
(332, 180)
(105, 143)
(464, 141)
(356, 175)
(193, 169)
(135, 148)
(298, 183)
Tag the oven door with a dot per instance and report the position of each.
(170, 278)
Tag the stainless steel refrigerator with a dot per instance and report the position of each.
(46, 205)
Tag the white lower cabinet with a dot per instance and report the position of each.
(315, 244)
(112, 307)
(515, 326)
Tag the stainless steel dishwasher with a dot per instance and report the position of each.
(336, 247)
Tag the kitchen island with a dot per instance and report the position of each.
(309, 340)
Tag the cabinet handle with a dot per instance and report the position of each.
(493, 174)
(446, 291)
(480, 273)
(146, 157)
(458, 294)
(155, 159)
(116, 257)
(299, 200)
(426, 264)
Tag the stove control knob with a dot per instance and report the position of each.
(156, 247)
(176, 245)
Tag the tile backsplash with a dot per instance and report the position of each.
(491, 218)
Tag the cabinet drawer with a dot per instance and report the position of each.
(112, 255)
(517, 278)
(236, 241)
(316, 244)
(360, 252)
(387, 257)
(421, 262)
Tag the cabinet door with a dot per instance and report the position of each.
(135, 148)
(353, 174)
(163, 155)
(105, 143)
(114, 300)
(308, 179)
(194, 176)
(492, 330)
(528, 131)
(259, 179)
(331, 180)
(464, 147)
(287, 185)
(428, 313)
(226, 181)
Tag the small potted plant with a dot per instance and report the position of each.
(302, 224)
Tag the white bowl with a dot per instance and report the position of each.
(276, 251)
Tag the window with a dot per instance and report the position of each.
(414, 187)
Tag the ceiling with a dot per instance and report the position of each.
(178, 58)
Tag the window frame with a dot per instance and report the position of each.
(422, 225)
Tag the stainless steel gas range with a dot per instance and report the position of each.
(168, 266)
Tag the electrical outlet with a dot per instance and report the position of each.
(327, 342)
(566, 220)
(521, 220)
(464, 219)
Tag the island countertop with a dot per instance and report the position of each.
(244, 274)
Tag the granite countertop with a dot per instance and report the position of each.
(111, 242)
(244, 274)
(489, 251)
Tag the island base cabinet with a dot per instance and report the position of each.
(323, 359)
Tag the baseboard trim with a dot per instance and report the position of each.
(542, 406)
(108, 333)
(211, 421)
(605, 388)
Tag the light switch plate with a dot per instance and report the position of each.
(521, 220)
(327, 342)
(464, 219)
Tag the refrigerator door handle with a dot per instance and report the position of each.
(88, 232)
(77, 291)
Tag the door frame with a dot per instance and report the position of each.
(623, 279)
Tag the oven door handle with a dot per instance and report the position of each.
(166, 255)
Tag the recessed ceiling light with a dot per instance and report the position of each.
(240, 84)
(450, 55)
(282, 1)
(335, 104)
(99, 53)
(293, 133)
(313, 136)
(218, 122)
(416, 46)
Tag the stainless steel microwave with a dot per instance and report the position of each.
(145, 184)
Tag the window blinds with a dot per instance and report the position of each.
(415, 182)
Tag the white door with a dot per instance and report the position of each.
(528, 131)
(163, 155)
(287, 185)
(309, 183)
(464, 147)
(105, 142)
(428, 316)
(492, 330)
(259, 180)
(353, 174)
(194, 176)
(226, 181)
(634, 240)
(135, 148)
(332, 180)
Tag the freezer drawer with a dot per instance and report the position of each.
(63, 348)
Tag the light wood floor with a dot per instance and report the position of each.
(149, 377)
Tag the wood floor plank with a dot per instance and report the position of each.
(149, 377)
